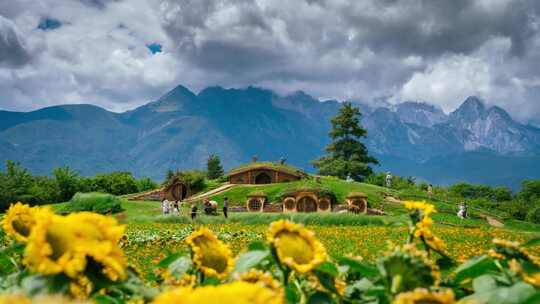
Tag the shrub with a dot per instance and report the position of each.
(534, 215)
(96, 202)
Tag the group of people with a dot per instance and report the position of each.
(210, 207)
(170, 207)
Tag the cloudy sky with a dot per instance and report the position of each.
(120, 54)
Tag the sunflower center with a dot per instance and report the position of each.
(294, 246)
(211, 255)
(60, 244)
(427, 301)
(22, 224)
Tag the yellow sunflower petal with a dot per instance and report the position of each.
(210, 255)
(52, 247)
(296, 246)
(421, 295)
(231, 293)
(20, 220)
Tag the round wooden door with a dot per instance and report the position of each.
(306, 204)
(255, 204)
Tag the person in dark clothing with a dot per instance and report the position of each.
(193, 211)
(225, 206)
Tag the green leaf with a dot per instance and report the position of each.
(250, 259)
(291, 295)
(164, 263)
(180, 266)
(328, 268)
(326, 280)
(105, 299)
(257, 245)
(320, 297)
(358, 267)
(445, 263)
(520, 293)
(474, 267)
(534, 299)
(484, 283)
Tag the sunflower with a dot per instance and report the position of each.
(531, 278)
(296, 246)
(406, 268)
(505, 249)
(40, 299)
(422, 224)
(20, 219)
(424, 296)
(14, 298)
(231, 293)
(99, 237)
(210, 255)
(264, 279)
(187, 280)
(53, 247)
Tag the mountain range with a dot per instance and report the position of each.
(475, 143)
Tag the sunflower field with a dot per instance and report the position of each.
(90, 258)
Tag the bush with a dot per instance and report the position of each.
(534, 215)
(102, 203)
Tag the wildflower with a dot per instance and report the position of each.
(296, 246)
(19, 221)
(209, 254)
(421, 295)
(231, 293)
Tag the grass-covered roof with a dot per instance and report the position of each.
(267, 165)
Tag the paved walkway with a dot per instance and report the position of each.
(212, 192)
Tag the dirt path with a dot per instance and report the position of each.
(212, 192)
(492, 221)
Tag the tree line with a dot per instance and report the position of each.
(18, 184)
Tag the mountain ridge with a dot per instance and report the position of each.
(181, 128)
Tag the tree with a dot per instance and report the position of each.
(213, 167)
(67, 181)
(346, 154)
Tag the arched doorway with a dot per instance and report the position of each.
(306, 204)
(177, 192)
(263, 178)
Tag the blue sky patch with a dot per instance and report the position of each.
(154, 47)
(49, 24)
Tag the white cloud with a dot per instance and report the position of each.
(449, 81)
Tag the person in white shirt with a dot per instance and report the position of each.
(165, 206)
(388, 180)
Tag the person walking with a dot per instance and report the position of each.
(430, 190)
(193, 211)
(225, 207)
(175, 208)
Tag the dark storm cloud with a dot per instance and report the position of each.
(434, 27)
(13, 51)
(435, 50)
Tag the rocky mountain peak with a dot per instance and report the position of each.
(471, 109)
